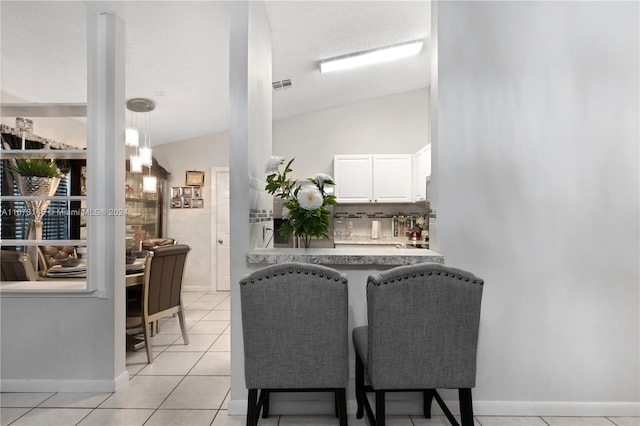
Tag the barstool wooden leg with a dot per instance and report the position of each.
(466, 407)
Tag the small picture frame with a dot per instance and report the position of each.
(196, 192)
(176, 203)
(187, 191)
(186, 202)
(194, 178)
(176, 192)
(197, 203)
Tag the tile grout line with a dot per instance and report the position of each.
(177, 384)
(23, 414)
(187, 373)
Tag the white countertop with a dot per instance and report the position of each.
(365, 255)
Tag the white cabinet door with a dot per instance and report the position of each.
(392, 178)
(421, 171)
(352, 174)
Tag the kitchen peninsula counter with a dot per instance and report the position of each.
(357, 263)
(364, 255)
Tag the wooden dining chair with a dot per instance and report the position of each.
(161, 291)
(16, 266)
(52, 255)
(151, 243)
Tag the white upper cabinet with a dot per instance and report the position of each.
(392, 181)
(353, 176)
(383, 178)
(421, 171)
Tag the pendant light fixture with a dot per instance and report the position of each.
(143, 155)
(135, 166)
(149, 183)
(132, 137)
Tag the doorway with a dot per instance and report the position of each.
(220, 253)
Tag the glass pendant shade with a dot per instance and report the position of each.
(132, 137)
(149, 184)
(145, 156)
(135, 165)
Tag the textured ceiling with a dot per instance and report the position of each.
(177, 54)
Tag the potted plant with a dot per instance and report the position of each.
(306, 208)
(36, 177)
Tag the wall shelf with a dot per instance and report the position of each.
(15, 242)
(44, 109)
(49, 154)
(44, 197)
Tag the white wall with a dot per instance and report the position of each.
(391, 124)
(250, 147)
(537, 176)
(193, 226)
(396, 124)
(74, 341)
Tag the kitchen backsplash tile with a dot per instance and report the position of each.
(356, 219)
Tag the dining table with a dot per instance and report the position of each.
(134, 272)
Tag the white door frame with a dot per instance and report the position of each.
(214, 227)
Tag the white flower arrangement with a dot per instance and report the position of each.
(310, 198)
(306, 204)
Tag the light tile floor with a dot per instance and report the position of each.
(189, 385)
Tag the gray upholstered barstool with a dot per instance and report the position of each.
(294, 325)
(422, 335)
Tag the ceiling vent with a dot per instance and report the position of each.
(282, 84)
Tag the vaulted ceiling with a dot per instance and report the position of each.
(177, 53)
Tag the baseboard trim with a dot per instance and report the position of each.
(120, 382)
(480, 408)
(556, 408)
(237, 407)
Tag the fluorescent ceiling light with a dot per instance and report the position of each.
(375, 56)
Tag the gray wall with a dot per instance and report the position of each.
(537, 178)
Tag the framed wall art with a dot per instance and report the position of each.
(176, 203)
(194, 178)
(196, 192)
(186, 197)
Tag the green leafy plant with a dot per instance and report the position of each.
(37, 167)
(305, 209)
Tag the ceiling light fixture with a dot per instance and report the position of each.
(149, 184)
(135, 166)
(143, 154)
(132, 137)
(374, 56)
